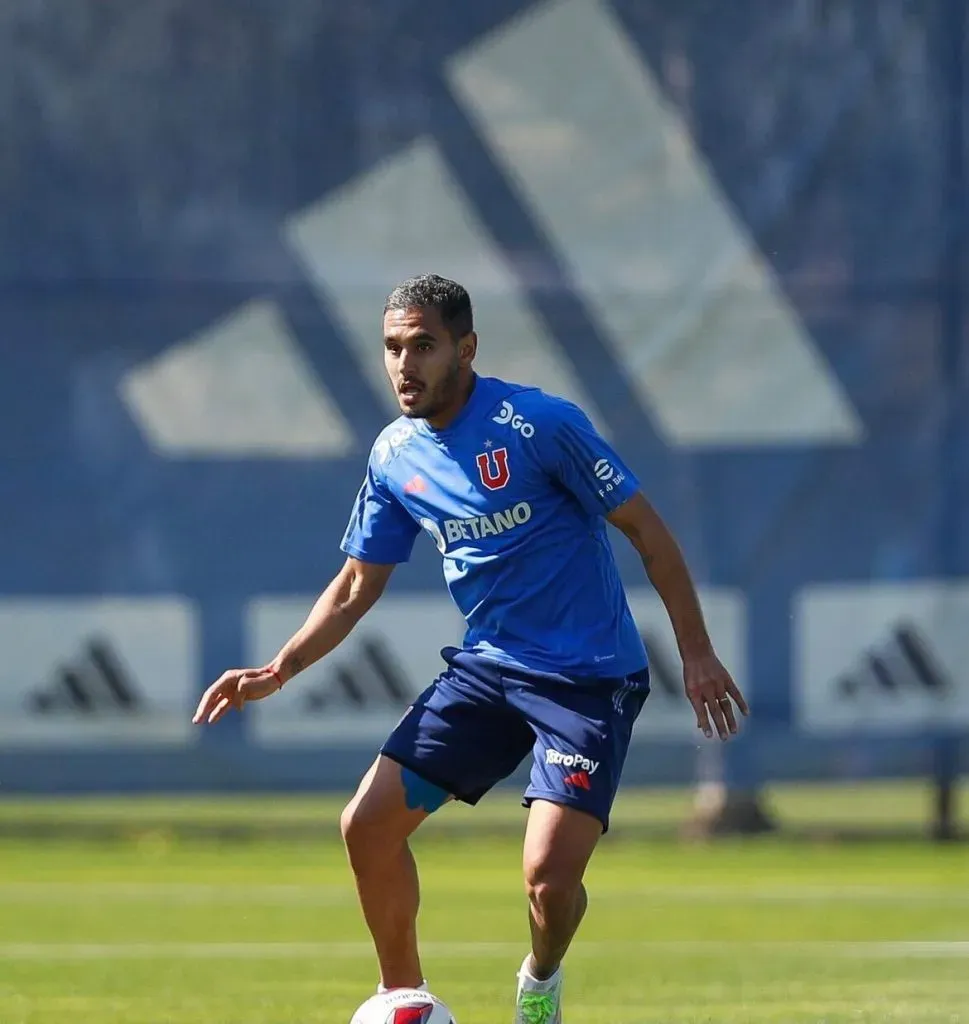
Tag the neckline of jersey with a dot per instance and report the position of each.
(474, 399)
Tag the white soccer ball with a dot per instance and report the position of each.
(403, 1006)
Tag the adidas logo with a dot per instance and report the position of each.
(580, 780)
(373, 679)
(93, 683)
(905, 662)
(295, 414)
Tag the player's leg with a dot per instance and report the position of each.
(582, 733)
(459, 738)
(388, 806)
(559, 841)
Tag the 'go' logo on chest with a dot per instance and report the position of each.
(516, 422)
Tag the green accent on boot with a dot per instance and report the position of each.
(537, 1007)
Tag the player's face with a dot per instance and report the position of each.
(426, 365)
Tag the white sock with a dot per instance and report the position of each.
(533, 983)
(382, 989)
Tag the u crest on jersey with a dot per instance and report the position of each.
(493, 468)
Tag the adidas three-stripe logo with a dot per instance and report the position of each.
(580, 780)
(904, 662)
(557, 54)
(94, 682)
(376, 678)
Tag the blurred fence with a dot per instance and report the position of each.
(736, 233)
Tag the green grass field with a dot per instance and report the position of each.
(155, 927)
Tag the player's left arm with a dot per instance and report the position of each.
(581, 460)
(709, 686)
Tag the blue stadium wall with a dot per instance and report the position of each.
(736, 233)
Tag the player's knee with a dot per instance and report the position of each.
(349, 822)
(365, 832)
(376, 823)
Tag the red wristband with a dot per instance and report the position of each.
(276, 676)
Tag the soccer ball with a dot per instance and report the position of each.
(403, 1006)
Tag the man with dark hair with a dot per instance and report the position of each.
(429, 291)
(516, 488)
(439, 386)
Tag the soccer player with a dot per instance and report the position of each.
(515, 487)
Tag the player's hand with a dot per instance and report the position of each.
(233, 689)
(712, 692)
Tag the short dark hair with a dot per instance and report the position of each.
(450, 299)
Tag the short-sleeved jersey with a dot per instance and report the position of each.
(514, 492)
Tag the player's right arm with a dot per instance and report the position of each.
(380, 534)
(351, 594)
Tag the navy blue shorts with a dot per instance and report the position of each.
(478, 720)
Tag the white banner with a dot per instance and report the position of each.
(361, 690)
(881, 658)
(97, 671)
(668, 714)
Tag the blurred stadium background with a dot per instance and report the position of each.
(735, 233)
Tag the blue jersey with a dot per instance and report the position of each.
(514, 492)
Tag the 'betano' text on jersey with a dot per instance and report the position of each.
(514, 494)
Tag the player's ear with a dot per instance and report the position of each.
(468, 348)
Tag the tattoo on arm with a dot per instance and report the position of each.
(295, 664)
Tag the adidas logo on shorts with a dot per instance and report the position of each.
(580, 780)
